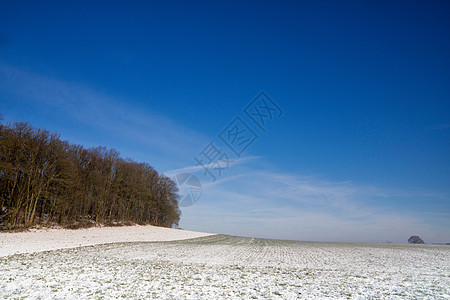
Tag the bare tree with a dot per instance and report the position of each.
(44, 180)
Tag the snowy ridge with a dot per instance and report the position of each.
(37, 240)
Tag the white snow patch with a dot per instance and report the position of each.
(37, 240)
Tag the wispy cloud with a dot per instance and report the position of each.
(201, 167)
(439, 127)
(97, 110)
(312, 224)
(277, 205)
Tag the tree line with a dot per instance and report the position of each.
(46, 181)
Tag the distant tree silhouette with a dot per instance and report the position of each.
(45, 181)
(415, 239)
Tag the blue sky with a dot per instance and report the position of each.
(360, 153)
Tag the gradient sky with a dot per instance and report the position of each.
(360, 153)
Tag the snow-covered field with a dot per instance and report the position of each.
(223, 267)
(52, 239)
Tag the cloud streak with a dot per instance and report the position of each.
(99, 111)
(277, 205)
(439, 127)
(200, 168)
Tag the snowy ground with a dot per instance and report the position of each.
(224, 267)
(51, 239)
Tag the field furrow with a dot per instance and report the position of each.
(223, 267)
